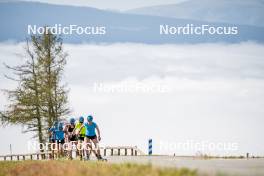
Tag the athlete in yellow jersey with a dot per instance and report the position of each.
(80, 132)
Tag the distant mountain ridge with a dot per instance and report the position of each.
(120, 27)
(247, 12)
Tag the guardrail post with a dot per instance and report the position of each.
(132, 151)
(31, 157)
(37, 156)
(125, 151)
(118, 151)
(17, 157)
(112, 151)
(104, 152)
(24, 157)
(5, 158)
(135, 152)
(11, 157)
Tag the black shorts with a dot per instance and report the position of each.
(92, 137)
(73, 138)
(60, 141)
(81, 138)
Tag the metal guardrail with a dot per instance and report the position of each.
(31, 156)
(114, 151)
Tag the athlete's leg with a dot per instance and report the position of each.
(60, 148)
(69, 149)
(96, 144)
(56, 149)
(91, 147)
(79, 148)
(88, 147)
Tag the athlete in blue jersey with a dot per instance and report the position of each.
(59, 138)
(52, 130)
(90, 135)
(59, 134)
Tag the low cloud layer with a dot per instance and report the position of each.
(206, 61)
(216, 92)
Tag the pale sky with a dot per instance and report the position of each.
(216, 95)
(113, 4)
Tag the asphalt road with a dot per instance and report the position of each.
(232, 167)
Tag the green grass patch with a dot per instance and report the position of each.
(79, 168)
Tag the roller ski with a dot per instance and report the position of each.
(100, 158)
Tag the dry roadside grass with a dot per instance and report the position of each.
(79, 168)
